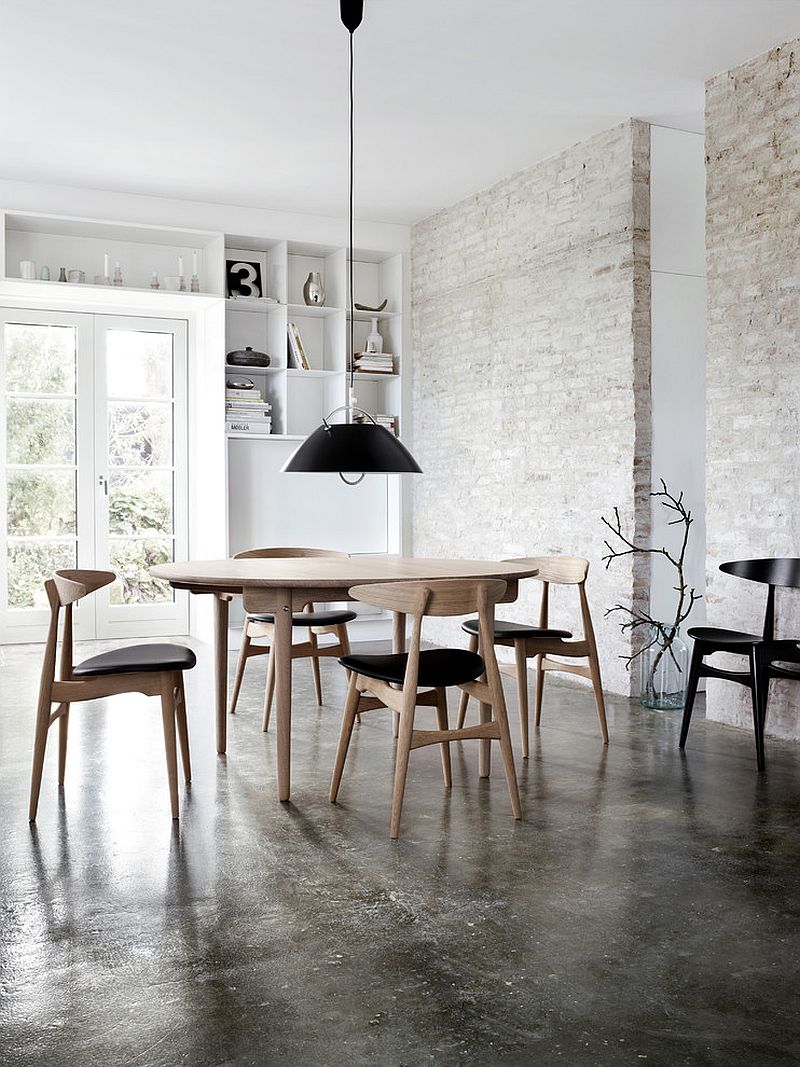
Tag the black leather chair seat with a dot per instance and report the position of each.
(724, 640)
(312, 618)
(437, 666)
(137, 658)
(514, 629)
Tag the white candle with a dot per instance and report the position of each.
(180, 266)
(105, 265)
(194, 262)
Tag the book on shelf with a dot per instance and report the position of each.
(296, 350)
(254, 426)
(232, 393)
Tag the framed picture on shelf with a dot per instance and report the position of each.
(245, 272)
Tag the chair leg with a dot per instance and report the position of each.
(63, 731)
(507, 753)
(168, 720)
(441, 718)
(758, 708)
(344, 644)
(348, 718)
(462, 704)
(522, 693)
(244, 649)
(597, 685)
(314, 642)
(401, 767)
(691, 691)
(269, 690)
(540, 673)
(183, 728)
(39, 747)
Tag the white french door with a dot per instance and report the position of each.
(94, 454)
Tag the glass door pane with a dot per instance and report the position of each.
(141, 461)
(44, 356)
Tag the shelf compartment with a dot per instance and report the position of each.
(330, 263)
(79, 244)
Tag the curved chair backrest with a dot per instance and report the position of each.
(560, 570)
(444, 596)
(782, 571)
(287, 553)
(72, 585)
(777, 571)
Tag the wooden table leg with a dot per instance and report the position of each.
(282, 652)
(398, 645)
(485, 744)
(221, 603)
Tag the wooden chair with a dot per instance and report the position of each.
(155, 670)
(783, 572)
(394, 681)
(541, 642)
(260, 625)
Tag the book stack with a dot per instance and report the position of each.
(389, 422)
(373, 363)
(246, 412)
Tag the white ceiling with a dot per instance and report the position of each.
(246, 103)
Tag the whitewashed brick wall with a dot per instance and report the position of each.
(531, 374)
(753, 386)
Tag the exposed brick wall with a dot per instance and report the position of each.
(753, 386)
(531, 374)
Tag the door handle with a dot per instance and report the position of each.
(102, 483)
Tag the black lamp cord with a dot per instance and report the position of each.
(352, 352)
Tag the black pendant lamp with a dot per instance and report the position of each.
(346, 447)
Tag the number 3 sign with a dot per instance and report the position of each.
(244, 278)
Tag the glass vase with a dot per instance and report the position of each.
(665, 668)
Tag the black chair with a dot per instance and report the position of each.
(710, 639)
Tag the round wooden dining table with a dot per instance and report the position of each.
(284, 585)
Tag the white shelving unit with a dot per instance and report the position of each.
(264, 506)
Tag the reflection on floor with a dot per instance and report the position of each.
(645, 910)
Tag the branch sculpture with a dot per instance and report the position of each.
(662, 634)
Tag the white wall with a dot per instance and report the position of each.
(678, 361)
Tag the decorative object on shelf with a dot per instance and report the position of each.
(173, 282)
(45, 275)
(240, 383)
(244, 277)
(182, 288)
(76, 277)
(296, 350)
(246, 357)
(154, 282)
(374, 340)
(27, 270)
(106, 269)
(350, 446)
(194, 284)
(314, 290)
(664, 654)
(366, 307)
(117, 279)
(62, 274)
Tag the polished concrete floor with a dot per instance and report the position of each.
(646, 909)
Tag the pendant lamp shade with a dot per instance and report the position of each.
(352, 446)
